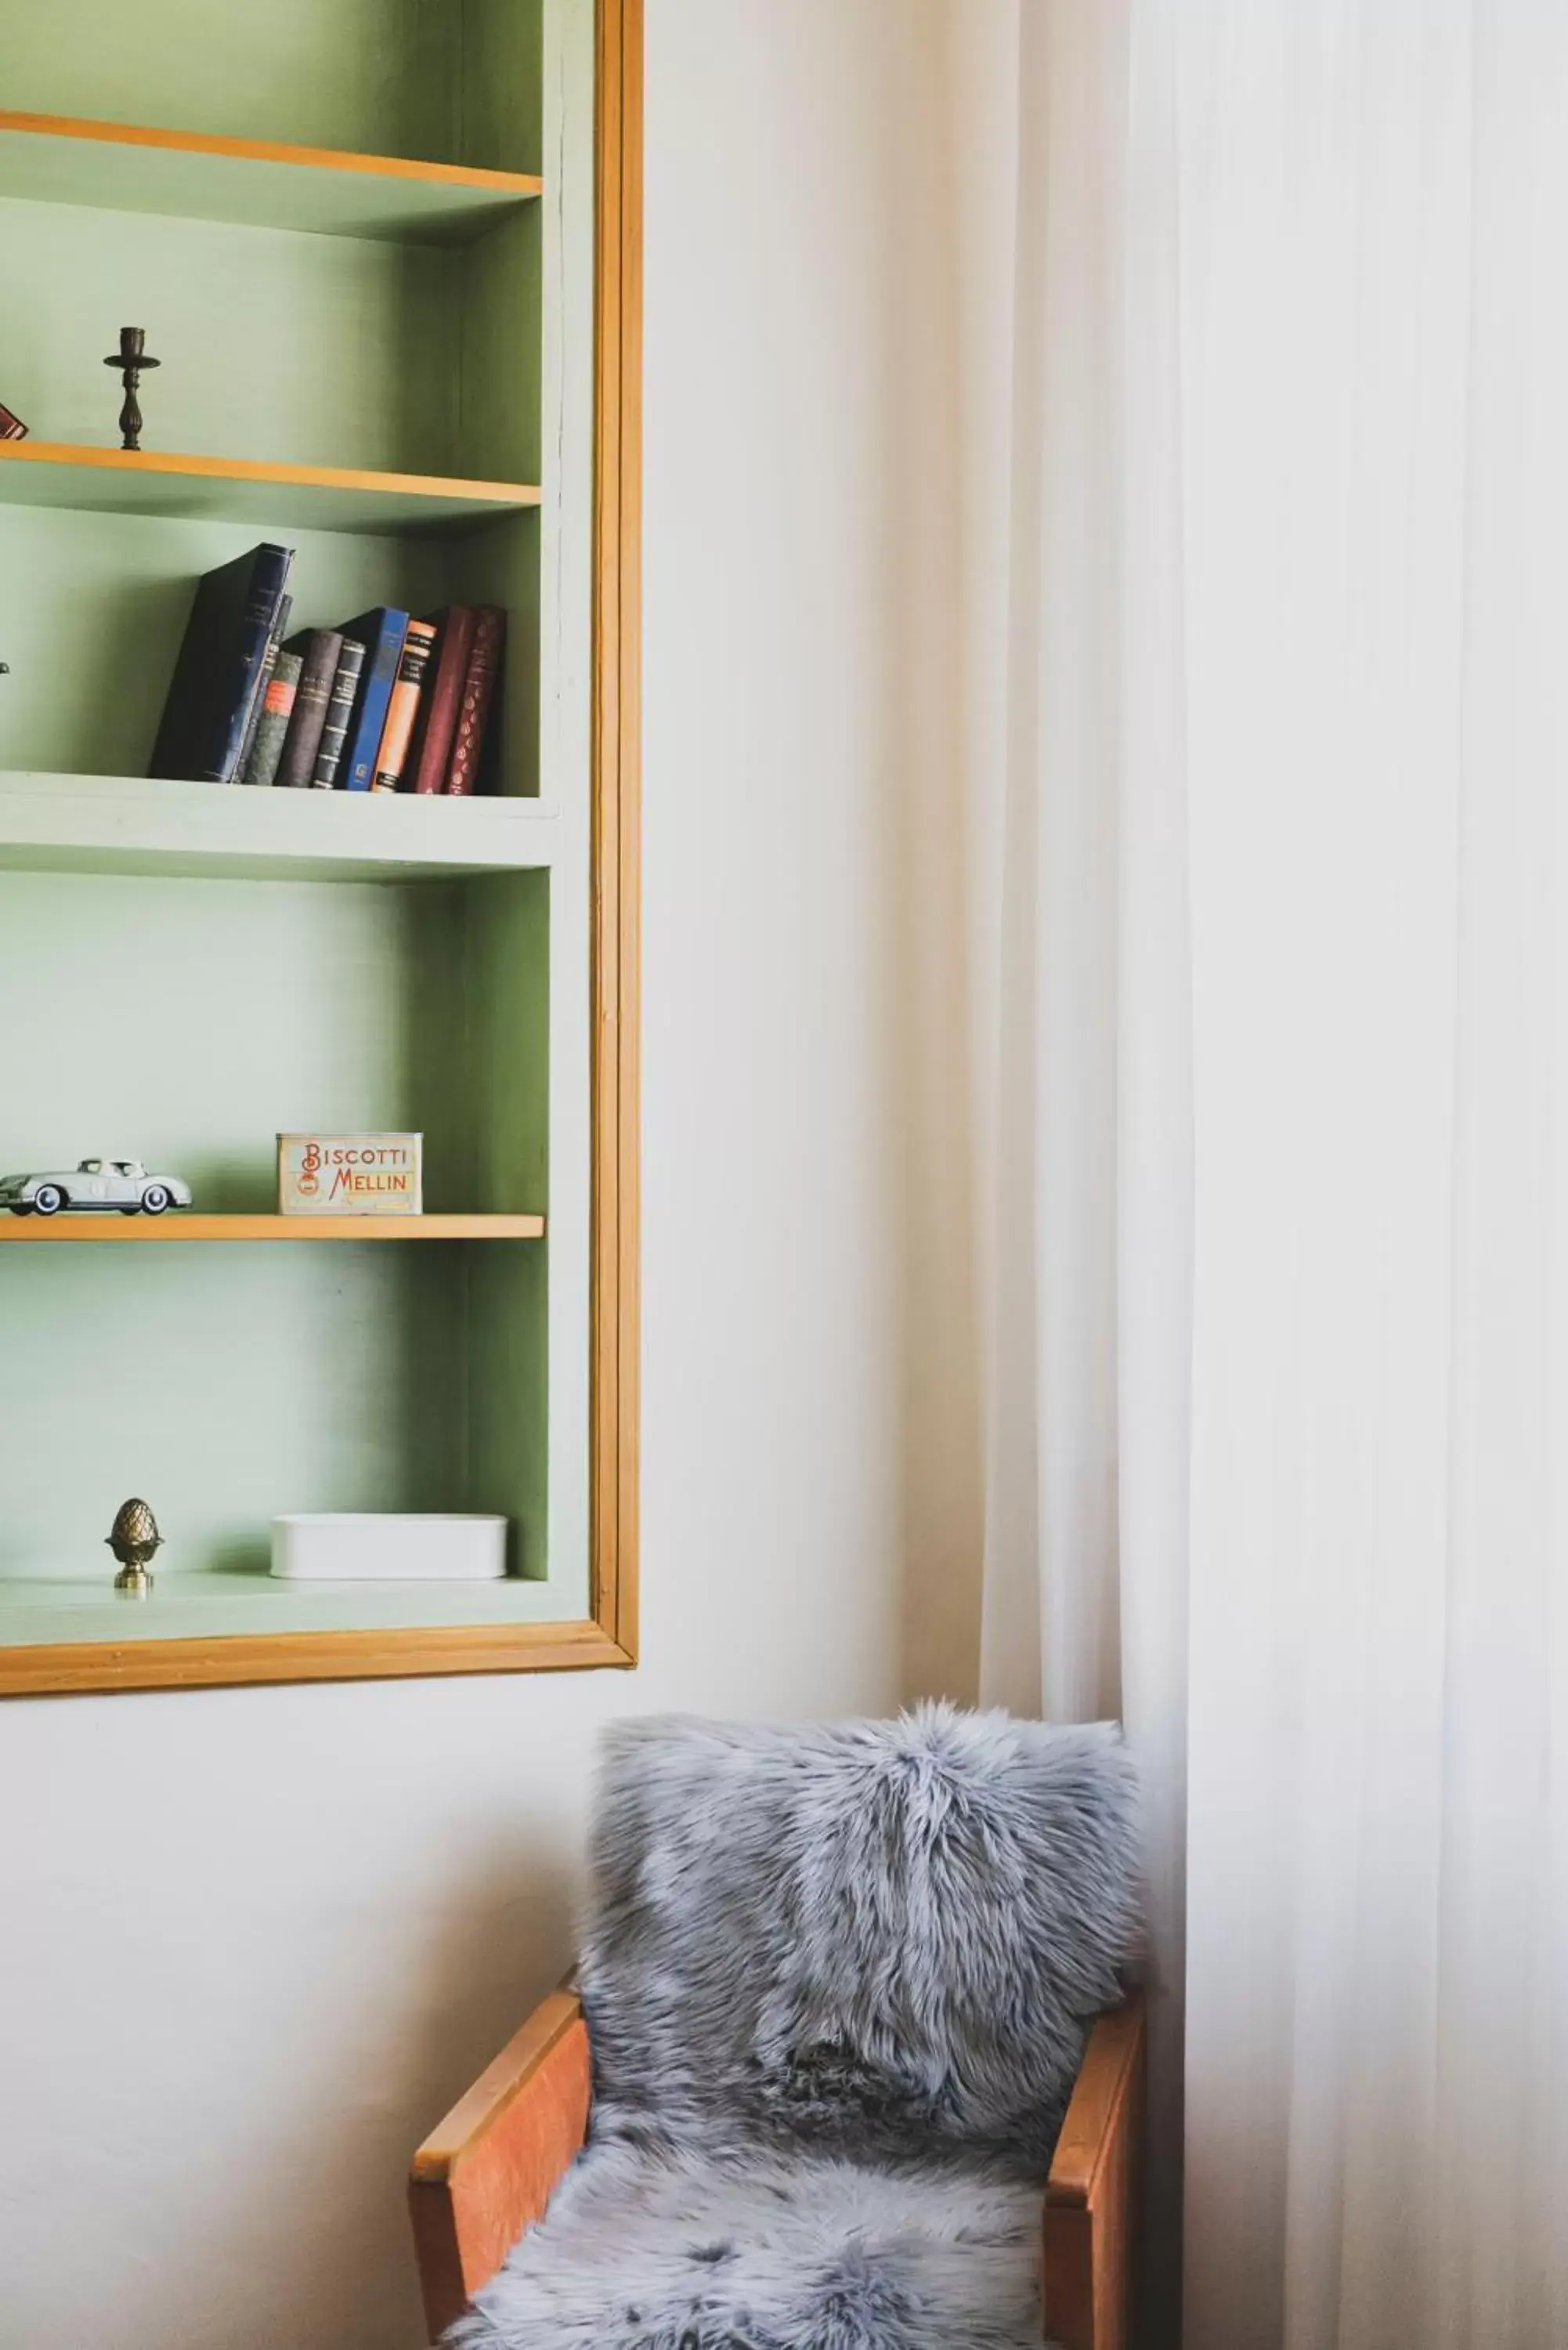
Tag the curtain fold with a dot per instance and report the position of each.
(1084, 1601)
(1276, 1287)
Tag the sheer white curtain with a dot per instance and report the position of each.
(1288, 757)
(1085, 963)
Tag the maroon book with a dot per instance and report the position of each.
(478, 694)
(10, 427)
(443, 697)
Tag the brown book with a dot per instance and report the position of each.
(442, 697)
(478, 696)
(404, 708)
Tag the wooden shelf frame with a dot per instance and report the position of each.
(614, 1411)
(88, 1668)
(176, 485)
(259, 184)
(191, 1227)
(608, 1635)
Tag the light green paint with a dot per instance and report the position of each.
(498, 370)
(380, 77)
(276, 345)
(224, 1386)
(186, 1022)
(194, 1606)
(53, 168)
(508, 925)
(191, 1021)
(306, 350)
(501, 95)
(92, 610)
(122, 824)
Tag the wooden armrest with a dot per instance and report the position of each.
(488, 2170)
(1090, 2195)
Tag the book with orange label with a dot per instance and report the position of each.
(272, 727)
(403, 709)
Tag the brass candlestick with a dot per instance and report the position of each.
(135, 1541)
(131, 359)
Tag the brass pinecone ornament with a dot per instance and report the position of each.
(135, 1541)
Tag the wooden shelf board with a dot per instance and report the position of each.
(188, 488)
(126, 166)
(190, 1227)
(126, 824)
(50, 1624)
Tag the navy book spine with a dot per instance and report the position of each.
(220, 654)
(241, 690)
(381, 632)
(339, 710)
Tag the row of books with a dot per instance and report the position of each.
(386, 703)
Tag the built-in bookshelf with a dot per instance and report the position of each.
(392, 271)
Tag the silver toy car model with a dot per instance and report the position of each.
(100, 1183)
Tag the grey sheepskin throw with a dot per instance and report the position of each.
(838, 1983)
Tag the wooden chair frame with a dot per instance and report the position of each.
(486, 2173)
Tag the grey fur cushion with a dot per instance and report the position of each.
(665, 2251)
(837, 1982)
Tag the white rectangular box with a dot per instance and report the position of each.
(403, 1546)
(350, 1174)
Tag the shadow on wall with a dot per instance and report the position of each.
(338, 2257)
(939, 698)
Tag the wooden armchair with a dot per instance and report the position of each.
(486, 2172)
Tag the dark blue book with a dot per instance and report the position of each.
(381, 632)
(218, 674)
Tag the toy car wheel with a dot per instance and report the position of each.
(154, 1199)
(49, 1200)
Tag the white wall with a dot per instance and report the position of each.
(252, 1941)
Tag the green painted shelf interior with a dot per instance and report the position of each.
(93, 607)
(44, 159)
(275, 347)
(125, 824)
(195, 1605)
(440, 81)
(188, 969)
(189, 1021)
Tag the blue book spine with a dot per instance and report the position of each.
(381, 633)
(232, 713)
